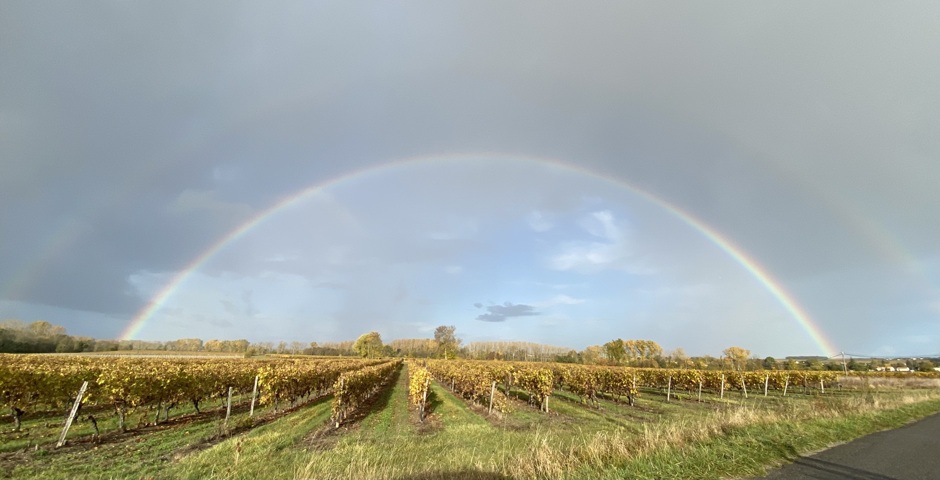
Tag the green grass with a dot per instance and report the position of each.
(751, 450)
(261, 453)
(43, 428)
(130, 454)
(143, 451)
(389, 443)
(684, 438)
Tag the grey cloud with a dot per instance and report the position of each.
(129, 147)
(209, 322)
(499, 313)
(246, 309)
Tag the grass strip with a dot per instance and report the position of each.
(750, 450)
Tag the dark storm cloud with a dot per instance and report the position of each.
(499, 313)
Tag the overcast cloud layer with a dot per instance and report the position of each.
(136, 135)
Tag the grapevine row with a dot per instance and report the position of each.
(294, 379)
(419, 384)
(34, 382)
(471, 380)
(588, 381)
(474, 380)
(353, 388)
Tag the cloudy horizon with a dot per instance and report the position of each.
(702, 175)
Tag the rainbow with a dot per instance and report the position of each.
(60, 240)
(724, 243)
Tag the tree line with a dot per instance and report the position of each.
(43, 337)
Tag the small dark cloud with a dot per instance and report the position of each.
(499, 313)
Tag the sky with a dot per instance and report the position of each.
(756, 174)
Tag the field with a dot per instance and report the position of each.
(547, 420)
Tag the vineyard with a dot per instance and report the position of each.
(38, 383)
(183, 403)
(490, 382)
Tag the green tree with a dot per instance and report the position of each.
(369, 345)
(925, 366)
(769, 363)
(615, 351)
(447, 341)
(571, 357)
(852, 365)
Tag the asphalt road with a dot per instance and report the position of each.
(911, 452)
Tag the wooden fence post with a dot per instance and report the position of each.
(766, 382)
(424, 400)
(68, 421)
(342, 411)
(228, 408)
(254, 394)
(721, 395)
(492, 393)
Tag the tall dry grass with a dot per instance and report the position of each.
(544, 455)
(858, 382)
(546, 460)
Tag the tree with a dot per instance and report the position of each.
(41, 328)
(570, 357)
(651, 349)
(815, 365)
(592, 354)
(212, 345)
(369, 345)
(925, 366)
(738, 357)
(856, 366)
(415, 347)
(185, 345)
(679, 356)
(770, 363)
(65, 344)
(447, 341)
(615, 351)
